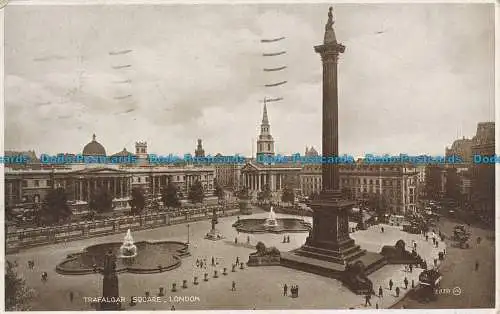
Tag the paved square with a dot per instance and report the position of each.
(256, 287)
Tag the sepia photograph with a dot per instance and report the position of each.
(256, 156)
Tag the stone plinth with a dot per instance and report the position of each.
(214, 235)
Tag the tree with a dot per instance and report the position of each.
(170, 196)
(54, 207)
(243, 194)
(17, 294)
(196, 193)
(346, 193)
(288, 195)
(219, 191)
(138, 201)
(266, 193)
(314, 196)
(101, 201)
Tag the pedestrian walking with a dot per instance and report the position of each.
(411, 268)
(233, 287)
(382, 229)
(426, 237)
(285, 290)
(248, 239)
(406, 283)
(284, 239)
(391, 284)
(380, 292)
(236, 240)
(237, 260)
(397, 291)
(367, 299)
(71, 296)
(477, 265)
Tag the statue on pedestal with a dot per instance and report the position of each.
(110, 286)
(214, 234)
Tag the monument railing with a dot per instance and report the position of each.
(31, 237)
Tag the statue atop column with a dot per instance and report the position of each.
(329, 32)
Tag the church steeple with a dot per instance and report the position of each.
(265, 143)
(265, 119)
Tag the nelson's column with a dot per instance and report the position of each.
(329, 249)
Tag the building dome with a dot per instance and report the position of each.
(94, 148)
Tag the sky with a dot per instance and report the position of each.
(413, 78)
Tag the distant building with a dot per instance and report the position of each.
(462, 148)
(199, 152)
(483, 175)
(265, 143)
(30, 183)
(398, 183)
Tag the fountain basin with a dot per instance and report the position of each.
(167, 254)
(283, 225)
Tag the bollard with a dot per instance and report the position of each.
(195, 282)
(241, 266)
(225, 271)
(184, 284)
(161, 293)
(206, 277)
(174, 287)
(216, 275)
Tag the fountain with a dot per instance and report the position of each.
(156, 256)
(128, 248)
(271, 220)
(272, 224)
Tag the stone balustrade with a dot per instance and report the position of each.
(17, 239)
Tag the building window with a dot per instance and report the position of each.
(25, 183)
(371, 181)
(146, 179)
(364, 181)
(37, 183)
(139, 180)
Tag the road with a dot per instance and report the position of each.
(477, 287)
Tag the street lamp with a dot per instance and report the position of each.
(188, 233)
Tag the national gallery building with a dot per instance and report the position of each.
(28, 184)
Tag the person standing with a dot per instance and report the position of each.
(477, 265)
(367, 299)
(390, 284)
(213, 261)
(397, 291)
(233, 287)
(382, 229)
(411, 268)
(380, 292)
(406, 283)
(285, 290)
(237, 260)
(71, 296)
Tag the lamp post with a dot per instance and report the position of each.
(188, 233)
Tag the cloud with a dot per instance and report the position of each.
(197, 72)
